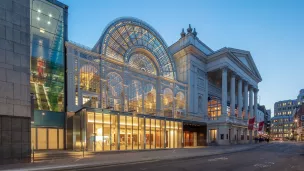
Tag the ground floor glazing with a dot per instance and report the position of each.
(104, 131)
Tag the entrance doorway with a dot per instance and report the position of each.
(194, 135)
(189, 139)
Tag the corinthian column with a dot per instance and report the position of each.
(246, 100)
(240, 98)
(232, 95)
(256, 102)
(250, 102)
(224, 91)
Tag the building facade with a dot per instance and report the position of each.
(133, 79)
(268, 121)
(132, 91)
(15, 115)
(283, 121)
(298, 130)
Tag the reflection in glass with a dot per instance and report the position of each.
(47, 57)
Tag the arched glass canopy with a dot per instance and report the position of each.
(141, 62)
(125, 35)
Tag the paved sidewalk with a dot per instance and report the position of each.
(104, 159)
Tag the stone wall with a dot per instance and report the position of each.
(15, 139)
(14, 81)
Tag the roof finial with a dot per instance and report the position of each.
(189, 30)
(194, 32)
(183, 33)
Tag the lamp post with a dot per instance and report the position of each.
(295, 126)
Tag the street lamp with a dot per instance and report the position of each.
(294, 127)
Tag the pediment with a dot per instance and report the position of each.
(245, 58)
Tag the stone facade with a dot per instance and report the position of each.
(14, 81)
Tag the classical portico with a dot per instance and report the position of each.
(239, 97)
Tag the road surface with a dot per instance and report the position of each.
(277, 156)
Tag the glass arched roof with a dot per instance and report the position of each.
(124, 35)
(141, 62)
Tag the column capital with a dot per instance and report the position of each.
(233, 74)
(224, 68)
(255, 90)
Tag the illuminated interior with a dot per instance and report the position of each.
(135, 96)
(89, 79)
(180, 104)
(168, 102)
(106, 132)
(150, 99)
(214, 108)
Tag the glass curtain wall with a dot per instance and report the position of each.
(168, 102)
(150, 99)
(135, 97)
(114, 91)
(47, 56)
(106, 132)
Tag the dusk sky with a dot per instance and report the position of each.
(273, 31)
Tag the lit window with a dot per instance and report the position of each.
(38, 18)
(39, 10)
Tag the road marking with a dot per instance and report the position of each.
(267, 164)
(270, 163)
(217, 159)
(261, 165)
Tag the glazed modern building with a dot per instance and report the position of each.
(132, 91)
(283, 121)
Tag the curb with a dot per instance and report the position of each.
(98, 165)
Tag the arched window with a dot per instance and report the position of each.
(114, 91)
(180, 104)
(141, 62)
(135, 96)
(89, 78)
(150, 99)
(168, 102)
